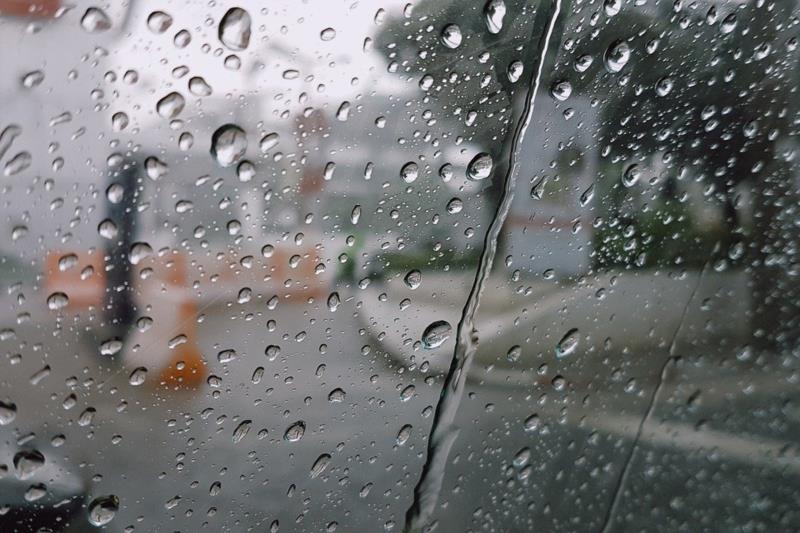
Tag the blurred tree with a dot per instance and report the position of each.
(714, 93)
(711, 92)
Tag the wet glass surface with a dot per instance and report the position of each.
(357, 266)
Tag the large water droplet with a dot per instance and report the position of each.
(107, 229)
(27, 462)
(583, 62)
(320, 465)
(561, 90)
(403, 434)
(115, 193)
(241, 431)
(328, 34)
(18, 163)
(480, 167)
(95, 20)
(617, 56)
(446, 172)
(228, 145)
(333, 301)
(226, 356)
(57, 301)
(295, 432)
(538, 189)
(139, 252)
(664, 86)
(111, 347)
(531, 423)
(728, 24)
(454, 206)
(407, 393)
(32, 79)
(35, 492)
(513, 354)
(67, 261)
(355, 214)
(159, 22)
(269, 141)
(514, 71)
(409, 172)
(8, 412)
(343, 113)
(451, 36)
(568, 343)
(119, 121)
(632, 175)
(234, 29)
(171, 105)
(413, 279)
(155, 168)
(182, 39)
(436, 334)
(495, 12)
(138, 376)
(103, 509)
(199, 87)
(337, 395)
(612, 7)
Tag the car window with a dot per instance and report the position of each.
(430, 265)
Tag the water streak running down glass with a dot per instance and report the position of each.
(430, 265)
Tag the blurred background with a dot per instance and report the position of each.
(237, 241)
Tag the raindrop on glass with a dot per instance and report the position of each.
(228, 145)
(480, 167)
(514, 71)
(103, 509)
(413, 279)
(409, 172)
(234, 29)
(436, 334)
(328, 34)
(199, 87)
(617, 56)
(495, 12)
(451, 36)
(568, 343)
(268, 142)
(631, 175)
(57, 301)
(561, 90)
(95, 20)
(159, 22)
(171, 105)
(139, 252)
(295, 432)
(241, 431)
(138, 376)
(403, 435)
(320, 465)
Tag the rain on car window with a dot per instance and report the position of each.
(378, 265)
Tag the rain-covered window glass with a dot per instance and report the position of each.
(429, 265)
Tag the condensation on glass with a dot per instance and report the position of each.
(442, 265)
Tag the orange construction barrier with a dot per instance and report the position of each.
(170, 345)
(79, 275)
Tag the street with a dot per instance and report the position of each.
(540, 453)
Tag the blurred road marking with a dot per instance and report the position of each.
(756, 451)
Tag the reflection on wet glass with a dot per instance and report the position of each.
(406, 266)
